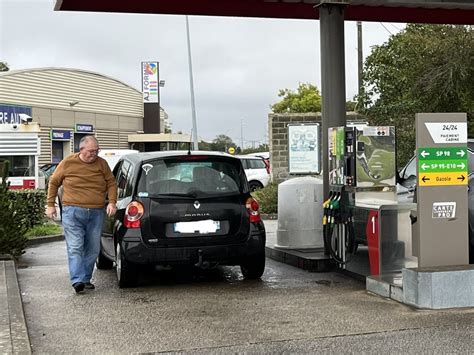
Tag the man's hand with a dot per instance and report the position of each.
(51, 212)
(111, 209)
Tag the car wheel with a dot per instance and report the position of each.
(255, 185)
(103, 263)
(254, 267)
(126, 271)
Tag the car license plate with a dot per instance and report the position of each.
(201, 227)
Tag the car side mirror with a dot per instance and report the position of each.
(410, 182)
(398, 177)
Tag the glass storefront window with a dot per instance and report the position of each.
(57, 151)
(20, 165)
(77, 140)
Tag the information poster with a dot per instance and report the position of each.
(304, 148)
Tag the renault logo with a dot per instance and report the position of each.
(197, 204)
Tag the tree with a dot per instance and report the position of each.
(4, 66)
(221, 143)
(351, 105)
(260, 148)
(425, 68)
(306, 99)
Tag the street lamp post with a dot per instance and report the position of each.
(242, 135)
(191, 85)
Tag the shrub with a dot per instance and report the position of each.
(30, 206)
(267, 198)
(13, 225)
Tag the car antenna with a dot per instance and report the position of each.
(190, 141)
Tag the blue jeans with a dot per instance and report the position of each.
(82, 230)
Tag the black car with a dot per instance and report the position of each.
(177, 208)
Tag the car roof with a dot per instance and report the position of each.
(116, 152)
(249, 157)
(264, 155)
(144, 156)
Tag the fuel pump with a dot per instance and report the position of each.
(362, 167)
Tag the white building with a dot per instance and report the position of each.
(71, 103)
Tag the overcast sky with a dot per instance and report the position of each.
(238, 64)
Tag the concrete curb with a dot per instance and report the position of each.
(13, 330)
(269, 216)
(46, 239)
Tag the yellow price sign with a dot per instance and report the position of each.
(441, 179)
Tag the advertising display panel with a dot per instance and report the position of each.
(304, 149)
(150, 82)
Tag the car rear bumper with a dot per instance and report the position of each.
(228, 254)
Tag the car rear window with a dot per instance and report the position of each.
(257, 164)
(192, 176)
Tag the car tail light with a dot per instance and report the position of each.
(267, 165)
(133, 215)
(252, 207)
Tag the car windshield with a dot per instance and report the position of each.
(48, 169)
(190, 177)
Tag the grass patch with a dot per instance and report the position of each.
(41, 230)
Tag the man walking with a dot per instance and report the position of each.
(86, 180)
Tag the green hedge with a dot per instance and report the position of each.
(19, 211)
(267, 198)
(30, 206)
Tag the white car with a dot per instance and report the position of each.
(112, 156)
(256, 170)
(264, 155)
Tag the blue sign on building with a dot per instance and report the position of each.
(10, 114)
(84, 128)
(60, 135)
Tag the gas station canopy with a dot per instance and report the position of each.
(419, 11)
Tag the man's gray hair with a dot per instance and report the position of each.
(87, 139)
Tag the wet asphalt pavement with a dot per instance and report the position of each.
(216, 311)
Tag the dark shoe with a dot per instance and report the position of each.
(78, 287)
(89, 286)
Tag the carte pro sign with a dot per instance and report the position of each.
(442, 224)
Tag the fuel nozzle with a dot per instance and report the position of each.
(326, 205)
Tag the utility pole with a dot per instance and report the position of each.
(242, 134)
(191, 85)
